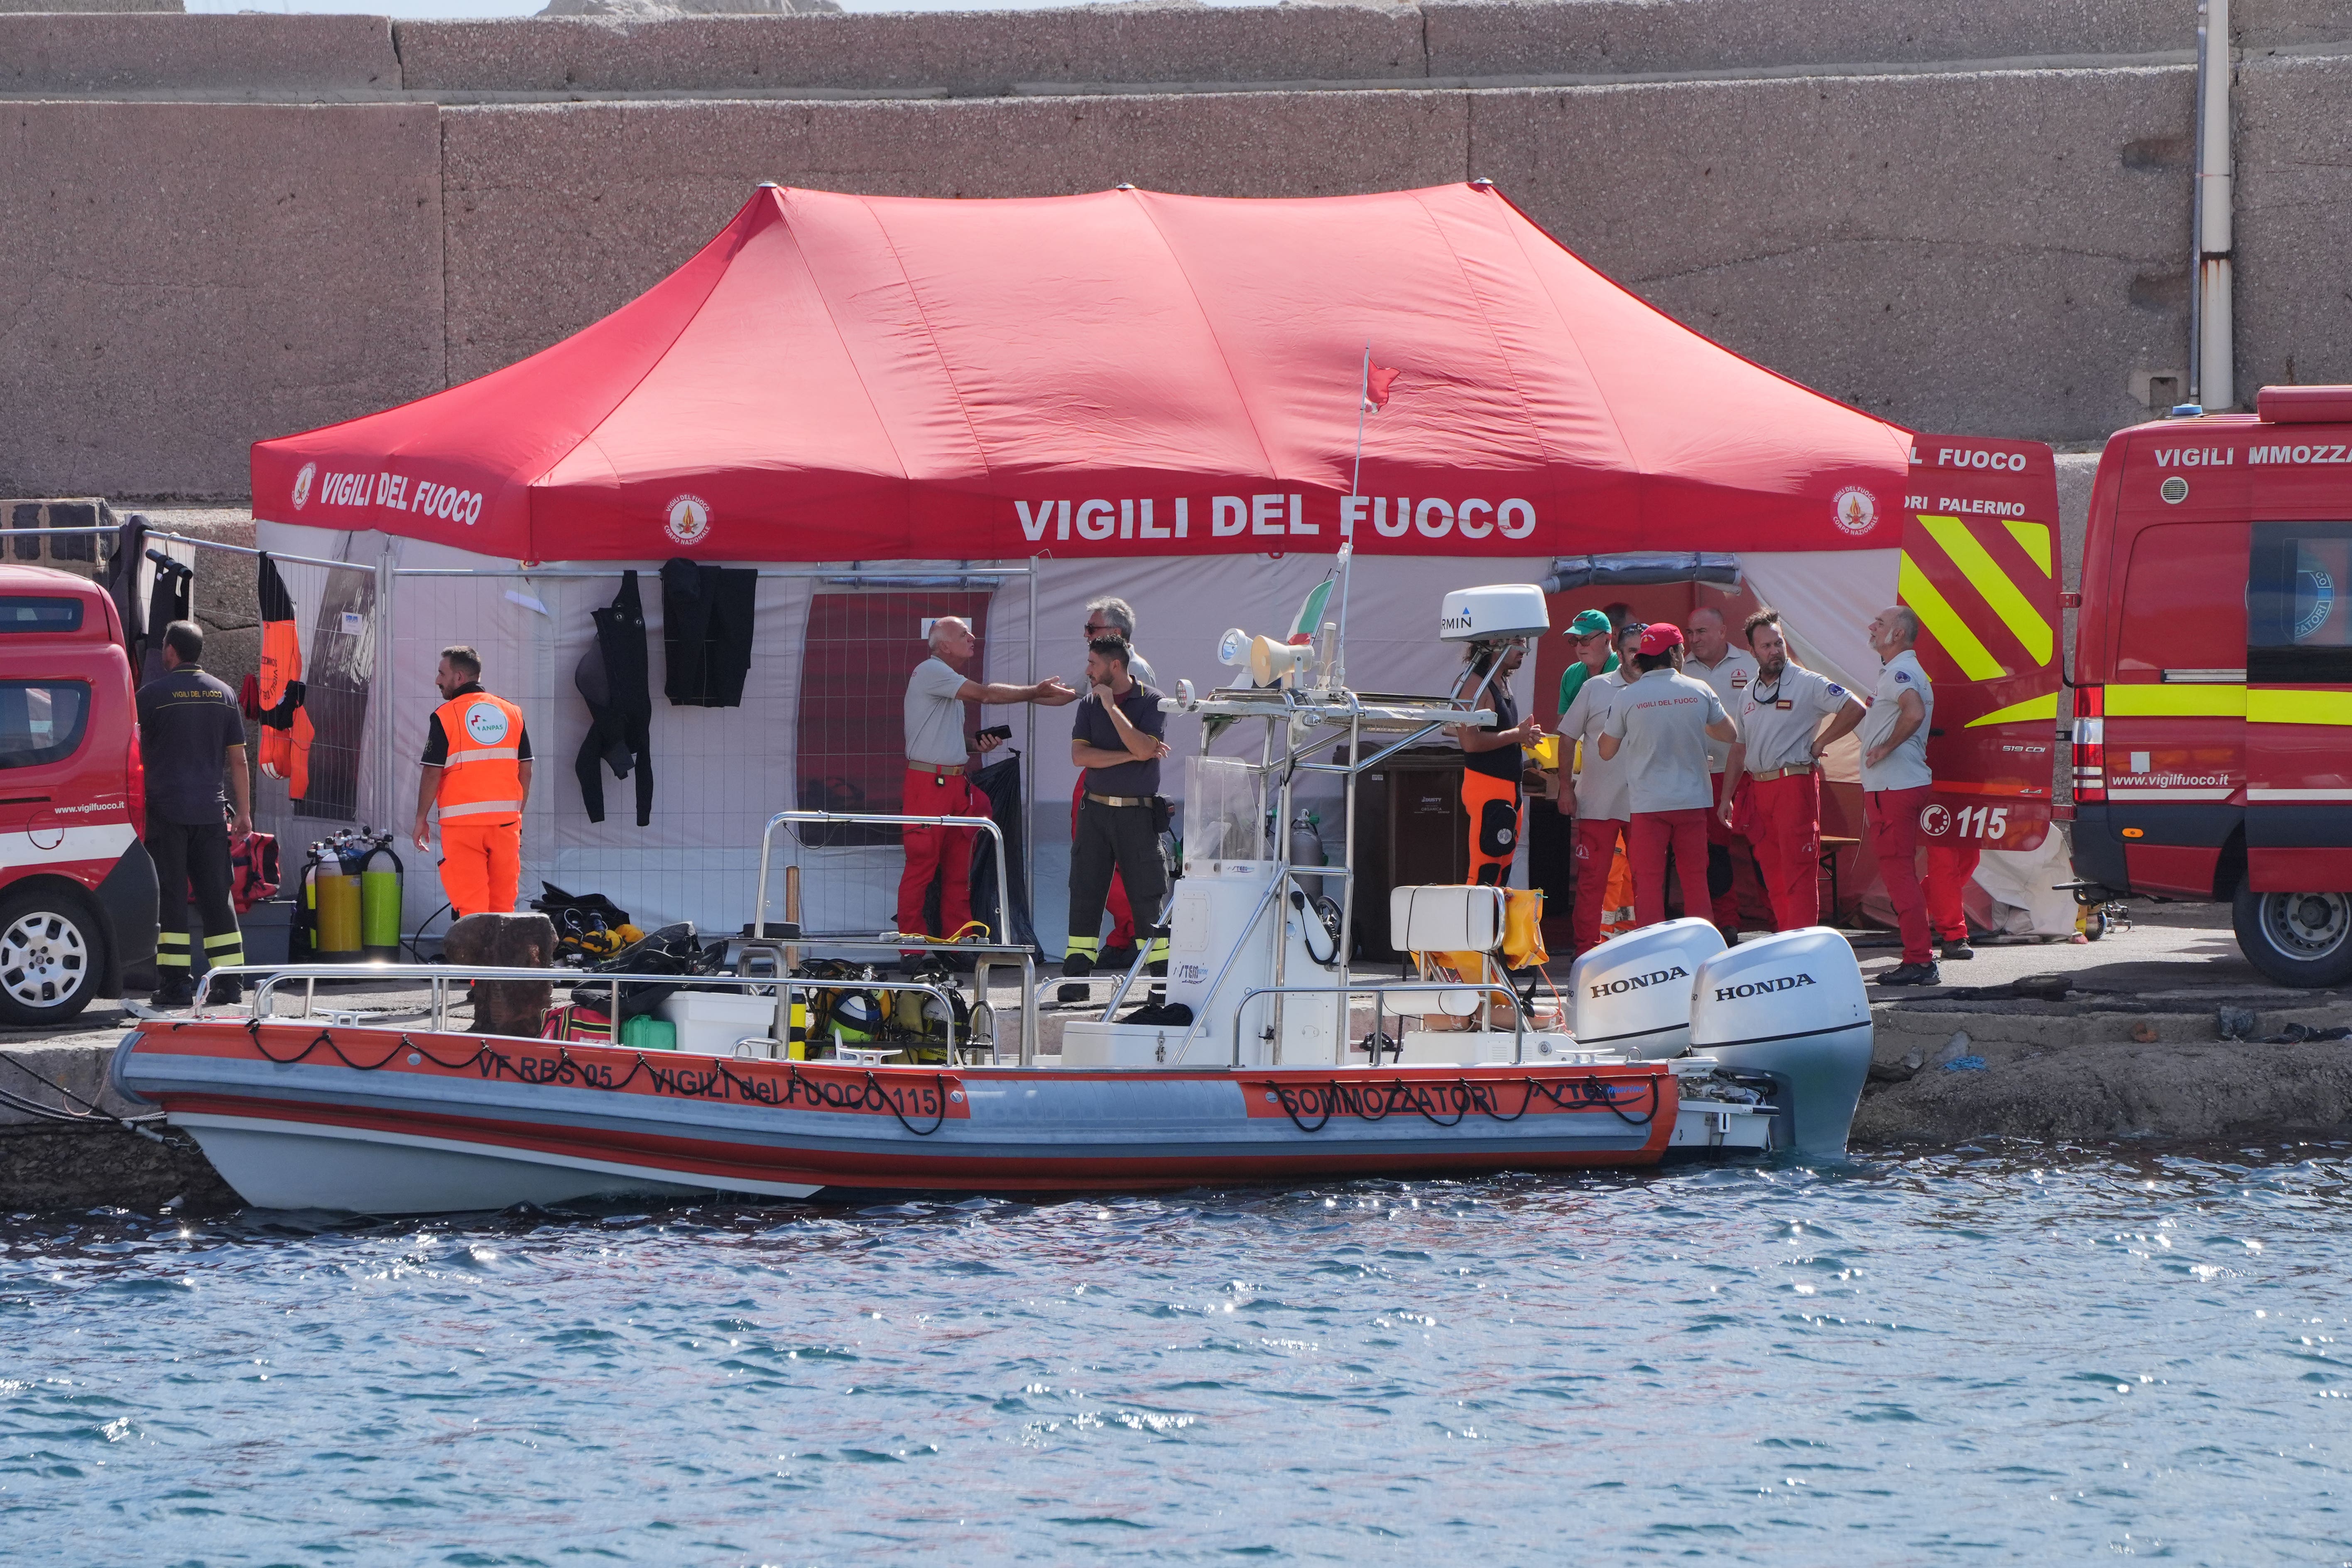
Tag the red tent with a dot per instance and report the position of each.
(840, 378)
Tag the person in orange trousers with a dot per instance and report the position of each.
(477, 769)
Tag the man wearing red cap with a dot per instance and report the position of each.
(1660, 725)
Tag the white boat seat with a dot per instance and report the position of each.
(1446, 918)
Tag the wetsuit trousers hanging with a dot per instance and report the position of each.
(707, 619)
(192, 856)
(1124, 838)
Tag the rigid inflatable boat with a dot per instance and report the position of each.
(1261, 1063)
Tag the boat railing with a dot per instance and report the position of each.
(880, 819)
(267, 979)
(1380, 991)
(1002, 947)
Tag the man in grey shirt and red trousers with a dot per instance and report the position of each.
(936, 784)
(1660, 725)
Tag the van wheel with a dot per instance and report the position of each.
(50, 959)
(2296, 939)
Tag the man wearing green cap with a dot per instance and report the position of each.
(1588, 635)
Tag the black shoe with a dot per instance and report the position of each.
(172, 991)
(1956, 949)
(1912, 975)
(228, 989)
(1078, 966)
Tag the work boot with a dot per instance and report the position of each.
(226, 991)
(173, 991)
(1955, 949)
(1912, 975)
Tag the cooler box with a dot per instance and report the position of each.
(710, 1021)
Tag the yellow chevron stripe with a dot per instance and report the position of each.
(2274, 706)
(2152, 701)
(1944, 623)
(2016, 611)
(2035, 539)
(2018, 712)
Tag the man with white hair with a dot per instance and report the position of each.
(938, 751)
(1896, 784)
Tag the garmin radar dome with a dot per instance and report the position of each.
(1493, 614)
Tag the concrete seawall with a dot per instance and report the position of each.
(216, 228)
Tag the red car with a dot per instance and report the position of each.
(77, 889)
(2212, 742)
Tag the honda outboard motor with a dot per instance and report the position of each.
(1632, 993)
(1790, 1005)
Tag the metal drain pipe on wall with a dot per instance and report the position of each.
(2212, 368)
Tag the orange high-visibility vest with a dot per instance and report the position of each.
(481, 781)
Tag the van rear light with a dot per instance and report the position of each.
(2090, 743)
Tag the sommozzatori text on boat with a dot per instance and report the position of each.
(1266, 1062)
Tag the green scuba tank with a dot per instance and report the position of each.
(380, 895)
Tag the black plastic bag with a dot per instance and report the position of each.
(1001, 782)
(672, 950)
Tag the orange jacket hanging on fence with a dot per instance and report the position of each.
(285, 730)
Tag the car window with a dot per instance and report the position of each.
(38, 613)
(2299, 603)
(2168, 615)
(41, 721)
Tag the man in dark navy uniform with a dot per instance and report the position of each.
(190, 732)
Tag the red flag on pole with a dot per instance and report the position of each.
(1377, 383)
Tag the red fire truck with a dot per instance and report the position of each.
(77, 889)
(2212, 702)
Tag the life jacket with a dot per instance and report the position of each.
(286, 728)
(481, 778)
(253, 870)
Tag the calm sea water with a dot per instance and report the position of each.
(1955, 1358)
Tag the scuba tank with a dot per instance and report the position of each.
(335, 900)
(380, 895)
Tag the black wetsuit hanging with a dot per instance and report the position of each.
(706, 633)
(614, 675)
(171, 598)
